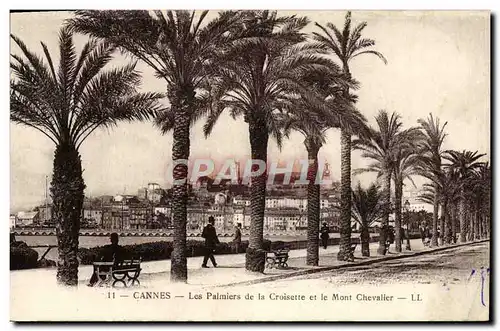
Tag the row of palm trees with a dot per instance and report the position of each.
(253, 64)
(458, 185)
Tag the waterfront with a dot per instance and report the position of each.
(93, 241)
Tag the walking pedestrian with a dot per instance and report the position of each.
(237, 238)
(325, 235)
(211, 242)
(422, 232)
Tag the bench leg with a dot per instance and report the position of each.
(100, 280)
(270, 263)
(117, 281)
(120, 280)
(134, 279)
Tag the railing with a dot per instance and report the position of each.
(49, 247)
(141, 232)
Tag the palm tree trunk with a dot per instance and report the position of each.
(461, 215)
(345, 197)
(470, 217)
(435, 216)
(454, 223)
(255, 255)
(386, 200)
(397, 220)
(487, 219)
(66, 189)
(481, 228)
(441, 232)
(180, 156)
(313, 197)
(478, 223)
(447, 224)
(365, 240)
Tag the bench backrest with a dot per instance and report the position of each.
(129, 262)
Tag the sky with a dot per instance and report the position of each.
(438, 62)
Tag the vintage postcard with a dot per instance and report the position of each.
(250, 165)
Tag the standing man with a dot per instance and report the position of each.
(211, 242)
(324, 235)
(237, 238)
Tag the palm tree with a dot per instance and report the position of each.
(260, 78)
(346, 45)
(382, 148)
(430, 162)
(313, 123)
(481, 189)
(182, 51)
(465, 164)
(367, 208)
(66, 105)
(314, 131)
(404, 167)
(448, 193)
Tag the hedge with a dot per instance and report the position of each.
(23, 258)
(161, 250)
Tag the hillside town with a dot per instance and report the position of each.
(229, 204)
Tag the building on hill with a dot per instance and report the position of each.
(13, 221)
(127, 213)
(283, 219)
(28, 218)
(45, 213)
(413, 198)
(92, 218)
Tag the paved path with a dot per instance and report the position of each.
(230, 268)
(35, 295)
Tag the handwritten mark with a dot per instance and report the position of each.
(484, 272)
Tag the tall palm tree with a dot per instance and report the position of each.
(482, 192)
(385, 143)
(181, 49)
(404, 167)
(465, 164)
(430, 162)
(448, 186)
(314, 130)
(258, 79)
(346, 45)
(313, 123)
(66, 105)
(367, 208)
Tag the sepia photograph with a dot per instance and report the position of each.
(250, 166)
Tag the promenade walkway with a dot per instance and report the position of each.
(37, 295)
(230, 268)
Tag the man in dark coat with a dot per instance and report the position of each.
(324, 235)
(237, 238)
(109, 253)
(211, 242)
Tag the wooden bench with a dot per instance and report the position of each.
(113, 273)
(277, 259)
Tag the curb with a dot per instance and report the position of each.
(349, 265)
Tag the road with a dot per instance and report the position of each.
(429, 287)
(452, 266)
